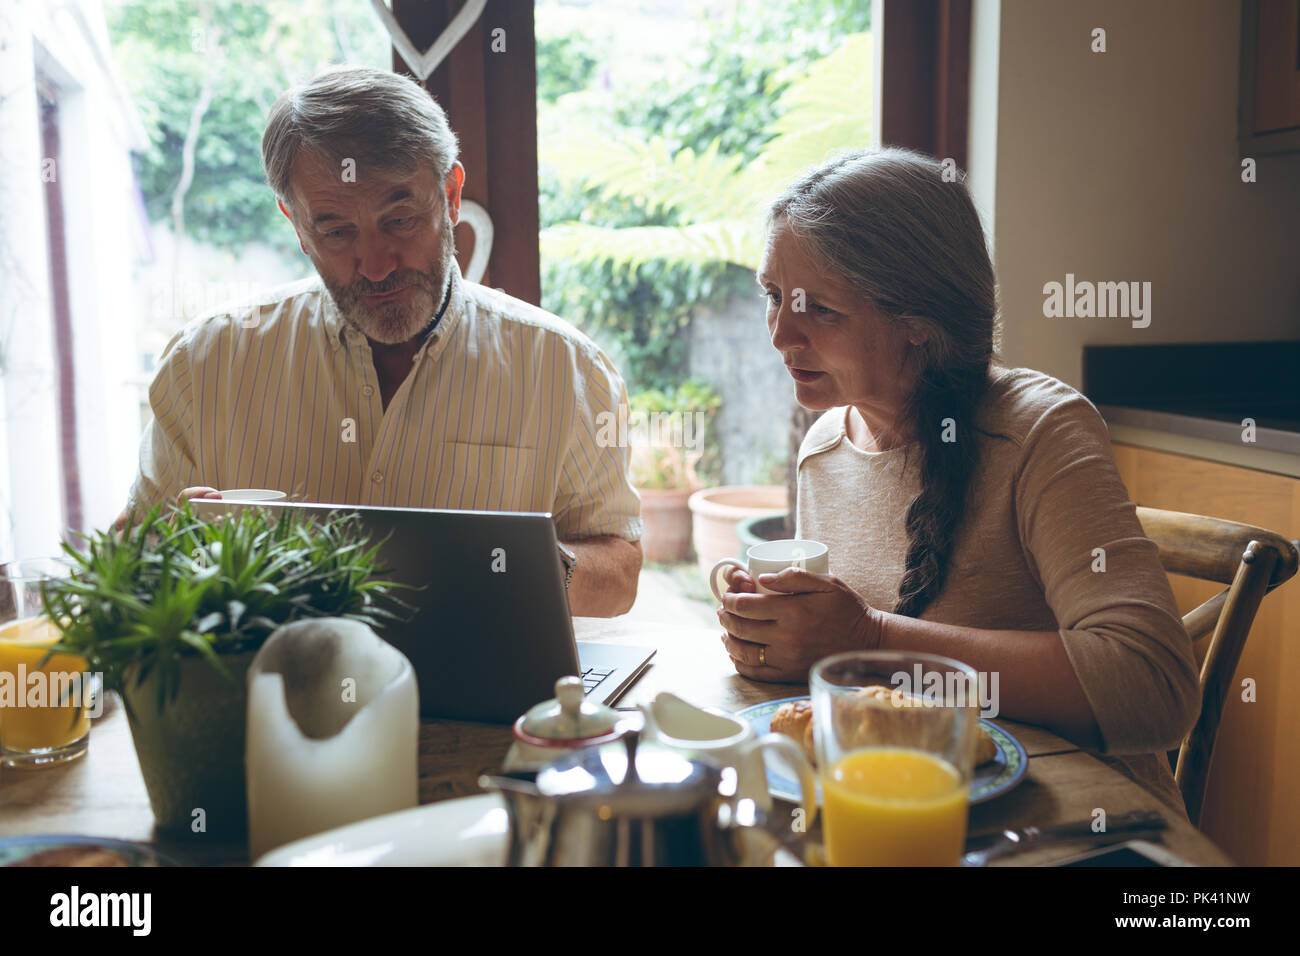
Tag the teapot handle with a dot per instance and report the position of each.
(793, 756)
(643, 720)
(631, 740)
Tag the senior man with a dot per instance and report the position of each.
(397, 383)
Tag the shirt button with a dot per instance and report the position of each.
(368, 390)
(377, 476)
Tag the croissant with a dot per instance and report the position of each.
(795, 721)
(884, 716)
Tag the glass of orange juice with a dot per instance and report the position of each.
(895, 735)
(44, 704)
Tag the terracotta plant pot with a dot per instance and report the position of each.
(192, 752)
(667, 517)
(717, 511)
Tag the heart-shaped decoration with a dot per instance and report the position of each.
(422, 64)
(480, 223)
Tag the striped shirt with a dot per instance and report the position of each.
(501, 411)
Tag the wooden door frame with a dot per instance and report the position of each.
(61, 327)
(490, 96)
(925, 76)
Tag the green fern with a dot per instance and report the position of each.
(647, 174)
(721, 198)
(631, 246)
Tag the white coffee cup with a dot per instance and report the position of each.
(213, 508)
(252, 494)
(771, 557)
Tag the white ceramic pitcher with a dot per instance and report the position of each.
(714, 735)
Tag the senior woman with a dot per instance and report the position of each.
(971, 510)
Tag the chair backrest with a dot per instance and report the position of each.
(1251, 561)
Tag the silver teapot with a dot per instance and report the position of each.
(634, 803)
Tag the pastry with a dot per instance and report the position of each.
(884, 714)
(75, 856)
(794, 719)
(985, 748)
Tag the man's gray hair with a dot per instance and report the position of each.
(384, 121)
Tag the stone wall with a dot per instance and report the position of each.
(730, 349)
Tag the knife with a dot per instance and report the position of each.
(981, 850)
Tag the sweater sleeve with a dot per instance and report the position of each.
(1103, 580)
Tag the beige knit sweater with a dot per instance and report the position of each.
(1046, 495)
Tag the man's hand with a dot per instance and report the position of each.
(778, 637)
(197, 491)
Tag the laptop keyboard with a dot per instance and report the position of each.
(592, 677)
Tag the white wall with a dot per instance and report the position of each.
(1123, 165)
(982, 125)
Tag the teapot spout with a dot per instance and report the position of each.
(528, 812)
(511, 785)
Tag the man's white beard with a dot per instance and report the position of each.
(392, 323)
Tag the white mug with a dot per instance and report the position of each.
(212, 508)
(727, 741)
(770, 557)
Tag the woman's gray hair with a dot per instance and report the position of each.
(901, 229)
(890, 224)
(384, 121)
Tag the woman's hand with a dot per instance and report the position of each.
(778, 637)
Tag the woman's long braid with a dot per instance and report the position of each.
(943, 410)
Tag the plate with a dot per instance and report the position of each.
(470, 831)
(74, 851)
(992, 778)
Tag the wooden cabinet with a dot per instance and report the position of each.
(1268, 111)
(1252, 806)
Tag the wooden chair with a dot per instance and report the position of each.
(1252, 562)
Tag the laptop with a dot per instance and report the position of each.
(491, 632)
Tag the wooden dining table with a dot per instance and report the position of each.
(103, 793)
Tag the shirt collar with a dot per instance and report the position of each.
(453, 309)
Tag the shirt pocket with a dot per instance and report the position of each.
(485, 478)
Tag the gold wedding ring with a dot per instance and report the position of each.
(762, 655)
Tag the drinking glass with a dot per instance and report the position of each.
(895, 737)
(44, 709)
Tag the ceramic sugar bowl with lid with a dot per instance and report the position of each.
(559, 726)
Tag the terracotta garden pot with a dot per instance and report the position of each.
(717, 511)
(192, 752)
(667, 517)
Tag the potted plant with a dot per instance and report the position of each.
(717, 513)
(754, 531)
(172, 611)
(672, 442)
